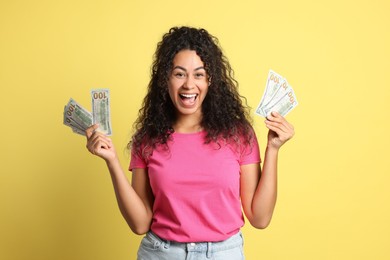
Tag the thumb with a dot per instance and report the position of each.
(90, 130)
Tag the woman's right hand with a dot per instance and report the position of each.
(99, 144)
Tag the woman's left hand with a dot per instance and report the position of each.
(280, 131)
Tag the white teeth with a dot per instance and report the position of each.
(188, 95)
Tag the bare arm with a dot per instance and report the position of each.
(259, 190)
(259, 187)
(134, 200)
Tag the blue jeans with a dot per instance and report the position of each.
(154, 248)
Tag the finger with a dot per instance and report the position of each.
(280, 128)
(279, 133)
(278, 138)
(276, 117)
(276, 114)
(100, 145)
(277, 125)
(96, 146)
(100, 138)
(291, 126)
(282, 132)
(90, 130)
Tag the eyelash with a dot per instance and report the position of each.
(179, 74)
(197, 75)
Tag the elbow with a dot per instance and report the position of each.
(261, 223)
(139, 231)
(139, 228)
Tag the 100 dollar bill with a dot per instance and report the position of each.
(278, 96)
(101, 110)
(77, 117)
(284, 105)
(274, 81)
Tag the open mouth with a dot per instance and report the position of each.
(188, 99)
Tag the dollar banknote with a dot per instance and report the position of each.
(283, 105)
(278, 96)
(274, 81)
(79, 119)
(101, 110)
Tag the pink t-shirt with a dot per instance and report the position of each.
(196, 187)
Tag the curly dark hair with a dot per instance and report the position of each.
(224, 114)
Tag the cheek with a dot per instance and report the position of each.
(171, 91)
(171, 95)
(205, 90)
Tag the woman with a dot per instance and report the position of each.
(195, 157)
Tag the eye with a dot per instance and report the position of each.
(179, 74)
(199, 75)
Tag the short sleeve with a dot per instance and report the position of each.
(136, 160)
(251, 152)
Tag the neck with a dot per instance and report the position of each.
(188, 124)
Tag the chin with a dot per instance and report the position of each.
(188, 111)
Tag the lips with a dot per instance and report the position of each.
(188, 99)
(190, 96)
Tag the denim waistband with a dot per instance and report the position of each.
(208, 247)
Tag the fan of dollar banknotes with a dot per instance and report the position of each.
(79, 119)
(278, 96)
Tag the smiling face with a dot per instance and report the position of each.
(188, 83)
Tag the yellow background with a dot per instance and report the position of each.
(57, 201)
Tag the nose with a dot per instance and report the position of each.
(189, 83)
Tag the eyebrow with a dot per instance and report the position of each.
(182, 68)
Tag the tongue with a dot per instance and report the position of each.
(188, 101)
